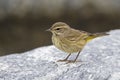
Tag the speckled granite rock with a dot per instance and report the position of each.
(100, 60)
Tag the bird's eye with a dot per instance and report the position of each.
(58, 29)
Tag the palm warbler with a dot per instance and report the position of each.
(70, 40)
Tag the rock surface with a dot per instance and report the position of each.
(100, 60)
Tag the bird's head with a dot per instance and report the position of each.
(59, 28)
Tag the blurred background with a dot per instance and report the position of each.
(23, 22)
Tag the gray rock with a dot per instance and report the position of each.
(100, 60)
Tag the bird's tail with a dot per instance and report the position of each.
(94, 35)
(99, 34)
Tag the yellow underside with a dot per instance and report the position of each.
(90, 38)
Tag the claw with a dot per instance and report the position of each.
(71, 61)
(62, 60)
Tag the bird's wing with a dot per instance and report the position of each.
(76, 36)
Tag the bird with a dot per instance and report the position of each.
(70, 40)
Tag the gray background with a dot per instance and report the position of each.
(23, 22)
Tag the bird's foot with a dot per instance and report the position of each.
(71, 61)
(62, 60)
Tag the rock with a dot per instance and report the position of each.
(100, 60)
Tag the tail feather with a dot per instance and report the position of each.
(94, 35)
(99, 34)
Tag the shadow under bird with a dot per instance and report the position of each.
(70, 40)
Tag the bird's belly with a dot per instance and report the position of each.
(64, 46)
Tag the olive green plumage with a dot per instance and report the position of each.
(70, 40)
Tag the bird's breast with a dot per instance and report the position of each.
(64, 45)
(56, 41)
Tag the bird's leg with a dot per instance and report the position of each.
(77, 56)
(65, 58)
(72, 61)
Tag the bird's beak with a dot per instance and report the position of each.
(48, 30)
